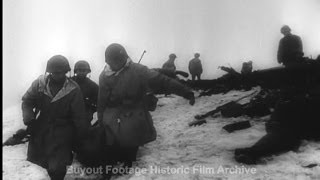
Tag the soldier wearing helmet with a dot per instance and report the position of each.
(124, 103)
(290, 47)
(195, 67)
(82, 69)
(169, 65)
(53, 111)
(57, 67)
(88, 87)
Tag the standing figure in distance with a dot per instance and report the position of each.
(169, 64)
(195, 67)
(290, 49)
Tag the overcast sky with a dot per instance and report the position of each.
(224, 32)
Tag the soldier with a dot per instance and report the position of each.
(169, 65)
(246, 68)
(195, 67)
(293, 120)
(88, 87)
(57, 120)
(290, 47)
(125, 100)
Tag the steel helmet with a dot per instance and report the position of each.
(58, 63)
(82, 65)
(285, 28)
(116, 52)
(171, 56)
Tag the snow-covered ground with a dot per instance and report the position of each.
(182, 152)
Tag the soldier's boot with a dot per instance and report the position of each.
(244, 155)
(56, 175)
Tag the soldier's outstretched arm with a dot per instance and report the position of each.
(157, 81)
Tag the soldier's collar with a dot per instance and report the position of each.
(109, 72)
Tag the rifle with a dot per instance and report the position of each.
(142, 56)
(219, 108)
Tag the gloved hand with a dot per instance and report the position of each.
(27, 122)
(29, 125)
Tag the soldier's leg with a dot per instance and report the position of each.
(130, 155)
(110, 158)
(275, 143)
(199, 76)
(112, 154)
(270, 144)
(58, 162)
(193, 77)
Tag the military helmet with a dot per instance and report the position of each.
(171, 56)
(82, 65)
(58, 63)
(116, 52)
(285, 28)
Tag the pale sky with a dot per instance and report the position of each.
(224, 32)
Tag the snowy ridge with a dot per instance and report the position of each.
(180, 146)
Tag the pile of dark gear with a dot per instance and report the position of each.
(291, 95)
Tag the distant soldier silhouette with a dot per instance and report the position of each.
(290, 47)
(246, 68)
(195, 67)
(169, 65)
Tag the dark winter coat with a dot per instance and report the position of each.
(169, 65)
(300, 116)
(122, 107)
(195, 66)
(290, 49)
(89, 91)
(61, 119)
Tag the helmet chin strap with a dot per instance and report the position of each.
(81, 78)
